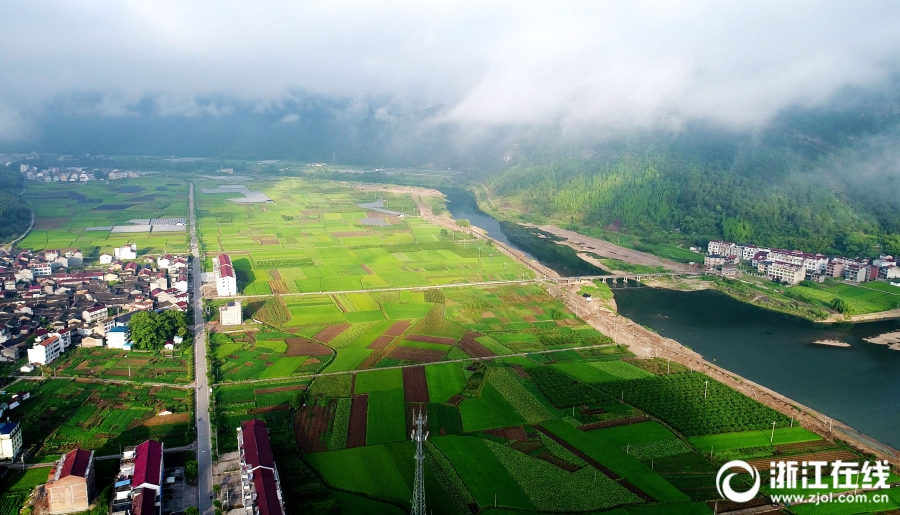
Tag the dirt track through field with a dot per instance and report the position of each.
(429, 339)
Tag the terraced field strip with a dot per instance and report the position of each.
(415, 384)
(397, 329)
(356, 437)
(596, 464)
(413, 354)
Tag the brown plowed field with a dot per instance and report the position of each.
(311, 426)
(473, 348)
(381, 342)
(367, 269)
(359, 409)
(304, 347)
(397, 329)
(613, 423)
(162, 420)
(331, 332)
(430, 339)
(516, 433)
(415, 385)
(413, 354)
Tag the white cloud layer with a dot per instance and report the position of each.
(614, 64)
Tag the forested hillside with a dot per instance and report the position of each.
(787, 189)
(15, 215)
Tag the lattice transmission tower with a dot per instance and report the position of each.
(419, 435)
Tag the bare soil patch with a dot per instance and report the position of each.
(516, 433)
(331, 332)
(367, 269)
(412, 354)
(415, 385)
(311, 426)
(163, 420)
(472, 347)
(398, 328)
(359, 409)
(381, 342)
(304, 347)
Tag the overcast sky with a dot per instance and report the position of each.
(619, 64)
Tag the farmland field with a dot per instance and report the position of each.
(81, 216)
(62, 414)
(870, 297)
(315, 236)
(158, 366)
(404, 328)
(747, 439)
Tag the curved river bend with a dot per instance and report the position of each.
(858, 385)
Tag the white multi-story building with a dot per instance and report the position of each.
(46, 349)
(118, 338)
(41, 269)
(723, 248)
(93, 314)
(10, 440)
(226, 281)
(128, 251)
(261, 485)
(230, 314)
(786, 272)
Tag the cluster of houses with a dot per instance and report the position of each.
(52, 308)
(793, 266)
(72, 174)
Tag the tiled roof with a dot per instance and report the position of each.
(266, 492)
(257, 448)
(144, 503)
(148, 463)
(75, 463)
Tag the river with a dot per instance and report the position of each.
(858, 385)
(538, 245)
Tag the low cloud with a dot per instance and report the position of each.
(652, 64)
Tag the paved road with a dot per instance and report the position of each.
(204, 443)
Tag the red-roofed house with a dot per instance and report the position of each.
(226, 281)
(70, 485)
(259, 476)
(144, 502)
(148, 465)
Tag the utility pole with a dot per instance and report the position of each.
(419, 435)
(705, 388)
(772, 438)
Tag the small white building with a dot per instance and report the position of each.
(10, 440)
(93, 314)
(105, 259)
(230, 314)
(27, 368)
(118, 338)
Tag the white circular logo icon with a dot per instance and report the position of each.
(724, 485)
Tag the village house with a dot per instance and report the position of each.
(70, 486)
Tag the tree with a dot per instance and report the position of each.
(463, 222)
(151, 330)
(191, 510)
(298, 400)
(190, 469)
(840, 305)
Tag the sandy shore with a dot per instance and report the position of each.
(833, 343)
(892, 340)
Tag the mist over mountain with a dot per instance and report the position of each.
(765, 121)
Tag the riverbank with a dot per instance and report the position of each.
(648, 344)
